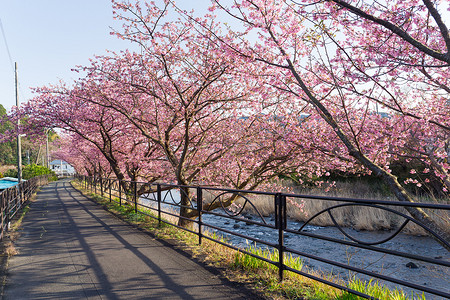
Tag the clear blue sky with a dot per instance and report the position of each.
(47, 38)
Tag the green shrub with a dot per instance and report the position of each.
(1, 175)
(33, 170)
(30, 171)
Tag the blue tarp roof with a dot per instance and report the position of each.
(7, 182)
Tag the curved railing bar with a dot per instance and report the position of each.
(187, 196)
(243, 206)
(218, 197)
(373, 248)
(363, 242)
(408, 218)
(173, 200)
(171, 196)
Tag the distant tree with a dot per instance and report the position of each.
(7, 147)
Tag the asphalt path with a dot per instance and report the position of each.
(70, 248)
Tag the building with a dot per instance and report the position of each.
(62, 168)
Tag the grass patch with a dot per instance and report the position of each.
(19, 220)
(376, 290)
(247, 261)
(240, 267)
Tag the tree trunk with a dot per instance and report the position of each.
(402, 195)
(186, 210)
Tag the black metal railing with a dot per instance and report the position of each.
(163, 203)
(13, 198)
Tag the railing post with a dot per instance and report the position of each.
(3, 216)
(158, 196)
(280, 215)
(101, 186)
(7, 210)
(110, 183)
(18, 198)
(95, 185)
(120, 194)
(22, 199)
(199, 209)
(135, 197)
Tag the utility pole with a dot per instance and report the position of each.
(47, 158)
(19, 149)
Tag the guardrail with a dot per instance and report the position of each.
(163, 202)
(12, 199)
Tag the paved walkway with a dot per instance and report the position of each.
(72, 249)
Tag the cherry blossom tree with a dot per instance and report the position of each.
(99, 127)
(82, 155)
(343, 59)
(190, 103)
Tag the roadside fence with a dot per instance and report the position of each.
(13, 199)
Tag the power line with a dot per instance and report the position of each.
(6, 44)
(10, 58)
